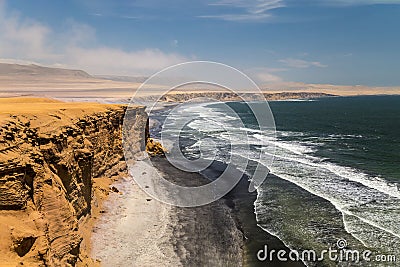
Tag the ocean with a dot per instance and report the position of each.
(335, 174)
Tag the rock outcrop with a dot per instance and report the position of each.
(154, 148)
(50, 152)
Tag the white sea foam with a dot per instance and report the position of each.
(371, 200)
(290, 146)
(367, 202)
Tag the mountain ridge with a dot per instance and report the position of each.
(9, 69)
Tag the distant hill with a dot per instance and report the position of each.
(34, 80)
(35, 70)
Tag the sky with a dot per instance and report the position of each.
(343, 42)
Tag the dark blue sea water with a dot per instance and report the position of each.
(336, 167)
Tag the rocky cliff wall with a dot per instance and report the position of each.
(48, 160)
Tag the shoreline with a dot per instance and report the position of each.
(146, 232)
(102, 189)
(132, 226)
(222, 233)
(241, 207)
(241, 202)
(208, 232)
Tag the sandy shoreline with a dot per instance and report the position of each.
(132, 226)
(102, 188)
(145, 232)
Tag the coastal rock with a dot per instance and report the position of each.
(154, 148)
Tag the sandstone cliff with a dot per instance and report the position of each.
(50, 152)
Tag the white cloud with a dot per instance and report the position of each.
(26, 40)
(251, 10)
(265, 75)
(107, 60)
(301, 64)
(261, 10)
(17, 61)
(359, 2)
(241, 17)
(23, 38)
(78, 34)
(252, 6)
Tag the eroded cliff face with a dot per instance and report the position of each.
(48, 160)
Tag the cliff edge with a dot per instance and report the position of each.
(50, 152)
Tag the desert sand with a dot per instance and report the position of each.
(28, 80)
(133, 226)
(145, 232)
(16, 80)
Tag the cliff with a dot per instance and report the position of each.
(50, 152)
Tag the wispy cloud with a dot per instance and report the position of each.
(247, 10)
(24, 40)
(262, 10)
(264, 75)
(108, 16)
(301, 64)
(130, 17)
(106, 60)
(358, 2)
(175, 43)
(23, 37)
(251, 6)
(239, 17)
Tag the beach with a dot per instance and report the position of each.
(224, 233)
(73, 152)
(167, 235)
(230, 133)
(111, 220)
(67, 195)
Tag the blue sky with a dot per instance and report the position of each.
(327, 41)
